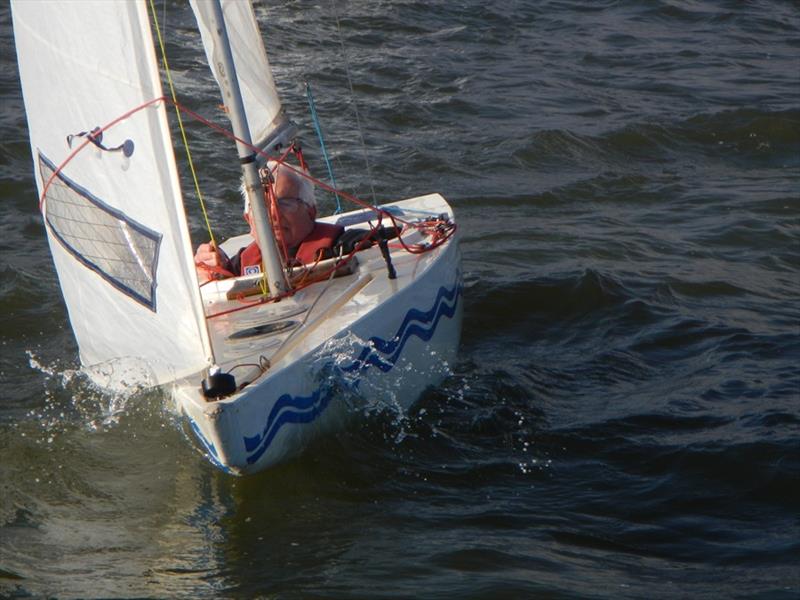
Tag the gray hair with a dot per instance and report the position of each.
(303, 184)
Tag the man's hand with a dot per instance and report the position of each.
(208, 262)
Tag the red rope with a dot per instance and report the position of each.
(215, 273)
(298, 152)
(281, 160)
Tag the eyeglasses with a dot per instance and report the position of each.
(290, 204)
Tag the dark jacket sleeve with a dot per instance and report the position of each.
(351, 238)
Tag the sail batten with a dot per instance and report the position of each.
(114, 213)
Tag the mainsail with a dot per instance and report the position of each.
(262, 106)
(114, 214)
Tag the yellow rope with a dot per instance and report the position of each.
(180, 122)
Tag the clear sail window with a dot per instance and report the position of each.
(120, 250)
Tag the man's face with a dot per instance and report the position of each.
(296, 217)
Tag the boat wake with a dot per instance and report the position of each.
(367, 395)
(74, 396)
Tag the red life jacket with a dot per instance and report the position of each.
(322, 237)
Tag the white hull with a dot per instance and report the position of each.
(367, 340)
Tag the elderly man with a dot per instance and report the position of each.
(304, 238)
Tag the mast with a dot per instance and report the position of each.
(231, 94)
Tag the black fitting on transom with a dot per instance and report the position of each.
(383, 244)
(218, 384)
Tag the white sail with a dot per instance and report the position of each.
(259, 95)
(114, 214)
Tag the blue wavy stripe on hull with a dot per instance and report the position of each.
(394, 346)
(304, 409)
(211, 450)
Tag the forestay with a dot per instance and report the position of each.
(114, 215)
(259, 95)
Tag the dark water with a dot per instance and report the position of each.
(624, 418)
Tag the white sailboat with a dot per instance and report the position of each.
(257, 380)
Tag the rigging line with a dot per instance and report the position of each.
(281, 160)
(315, 120)
(353, 99)
(260, 152)
(180, 122)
